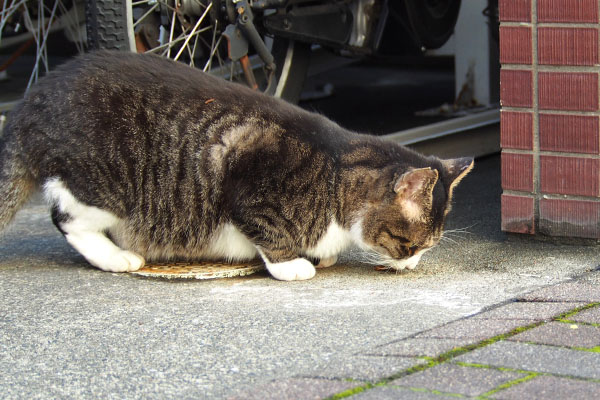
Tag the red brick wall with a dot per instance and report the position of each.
(549, 126)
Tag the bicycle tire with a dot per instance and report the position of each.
(432, 29)
(106, 24)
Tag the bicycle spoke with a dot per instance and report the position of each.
(72, 19)
(154, 7)
(38, 19)
(213, 48)
(154, 2)
(7, 11)
(172, 30)
(173, 42)
(187, 33)
(193, 30)
(193, 54)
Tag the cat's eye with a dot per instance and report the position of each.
(400, 239)
(412, 250)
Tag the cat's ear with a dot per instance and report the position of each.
(416, 182)
(456, 170)
(414, 190)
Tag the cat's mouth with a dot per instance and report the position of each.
(408, 263)
(385, 262)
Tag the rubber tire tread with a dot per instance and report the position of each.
(107, 24)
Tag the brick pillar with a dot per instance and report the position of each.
(549, 126)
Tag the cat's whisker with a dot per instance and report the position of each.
(453, 236)
(373, 258)
(456, 234)
(461, 235)
(462, 230)
(447, 241)
(458, 230)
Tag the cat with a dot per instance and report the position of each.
(143, 158)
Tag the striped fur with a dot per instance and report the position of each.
(182, 160)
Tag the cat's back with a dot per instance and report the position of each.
(121, 97)
(124, 95)
(104, 72)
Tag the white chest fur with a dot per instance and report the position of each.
(335, 240)
(229, 243)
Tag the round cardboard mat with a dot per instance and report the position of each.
(198, 270)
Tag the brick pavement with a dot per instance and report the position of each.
(542, 345)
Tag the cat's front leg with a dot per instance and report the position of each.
(327, 262)
(286, 268)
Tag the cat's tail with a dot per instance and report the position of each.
(16, 182)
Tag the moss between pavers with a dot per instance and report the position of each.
(509, 384)
(503, 369)
(357, 390)
(442, 358)
(574, 311)
(430, 391)
(528, 376)
(523, 371)
(572, 322)
(595, 349)
(352, 391)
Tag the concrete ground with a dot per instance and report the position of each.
(69, 330)
(484, 315)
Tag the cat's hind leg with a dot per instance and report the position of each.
(85, 229)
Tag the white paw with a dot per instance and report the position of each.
(295, 270)
(409, 263)
(327, 262)
(121, 261)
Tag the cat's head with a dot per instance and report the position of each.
(409, 219)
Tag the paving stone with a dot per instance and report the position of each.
(475, 328)
(529, 310)
(568, 291)
(395, 393)
(592, 277)
(456, 379)
(561, 334)
(590, 315)
(540, 358)
(296, 388)
(550, 388)
(419, 347)
(367, 368)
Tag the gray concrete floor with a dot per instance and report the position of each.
(69, 330)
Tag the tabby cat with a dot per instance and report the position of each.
(142, 158)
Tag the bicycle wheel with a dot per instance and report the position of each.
(191, 31)
(432, 21)
(26, 24)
